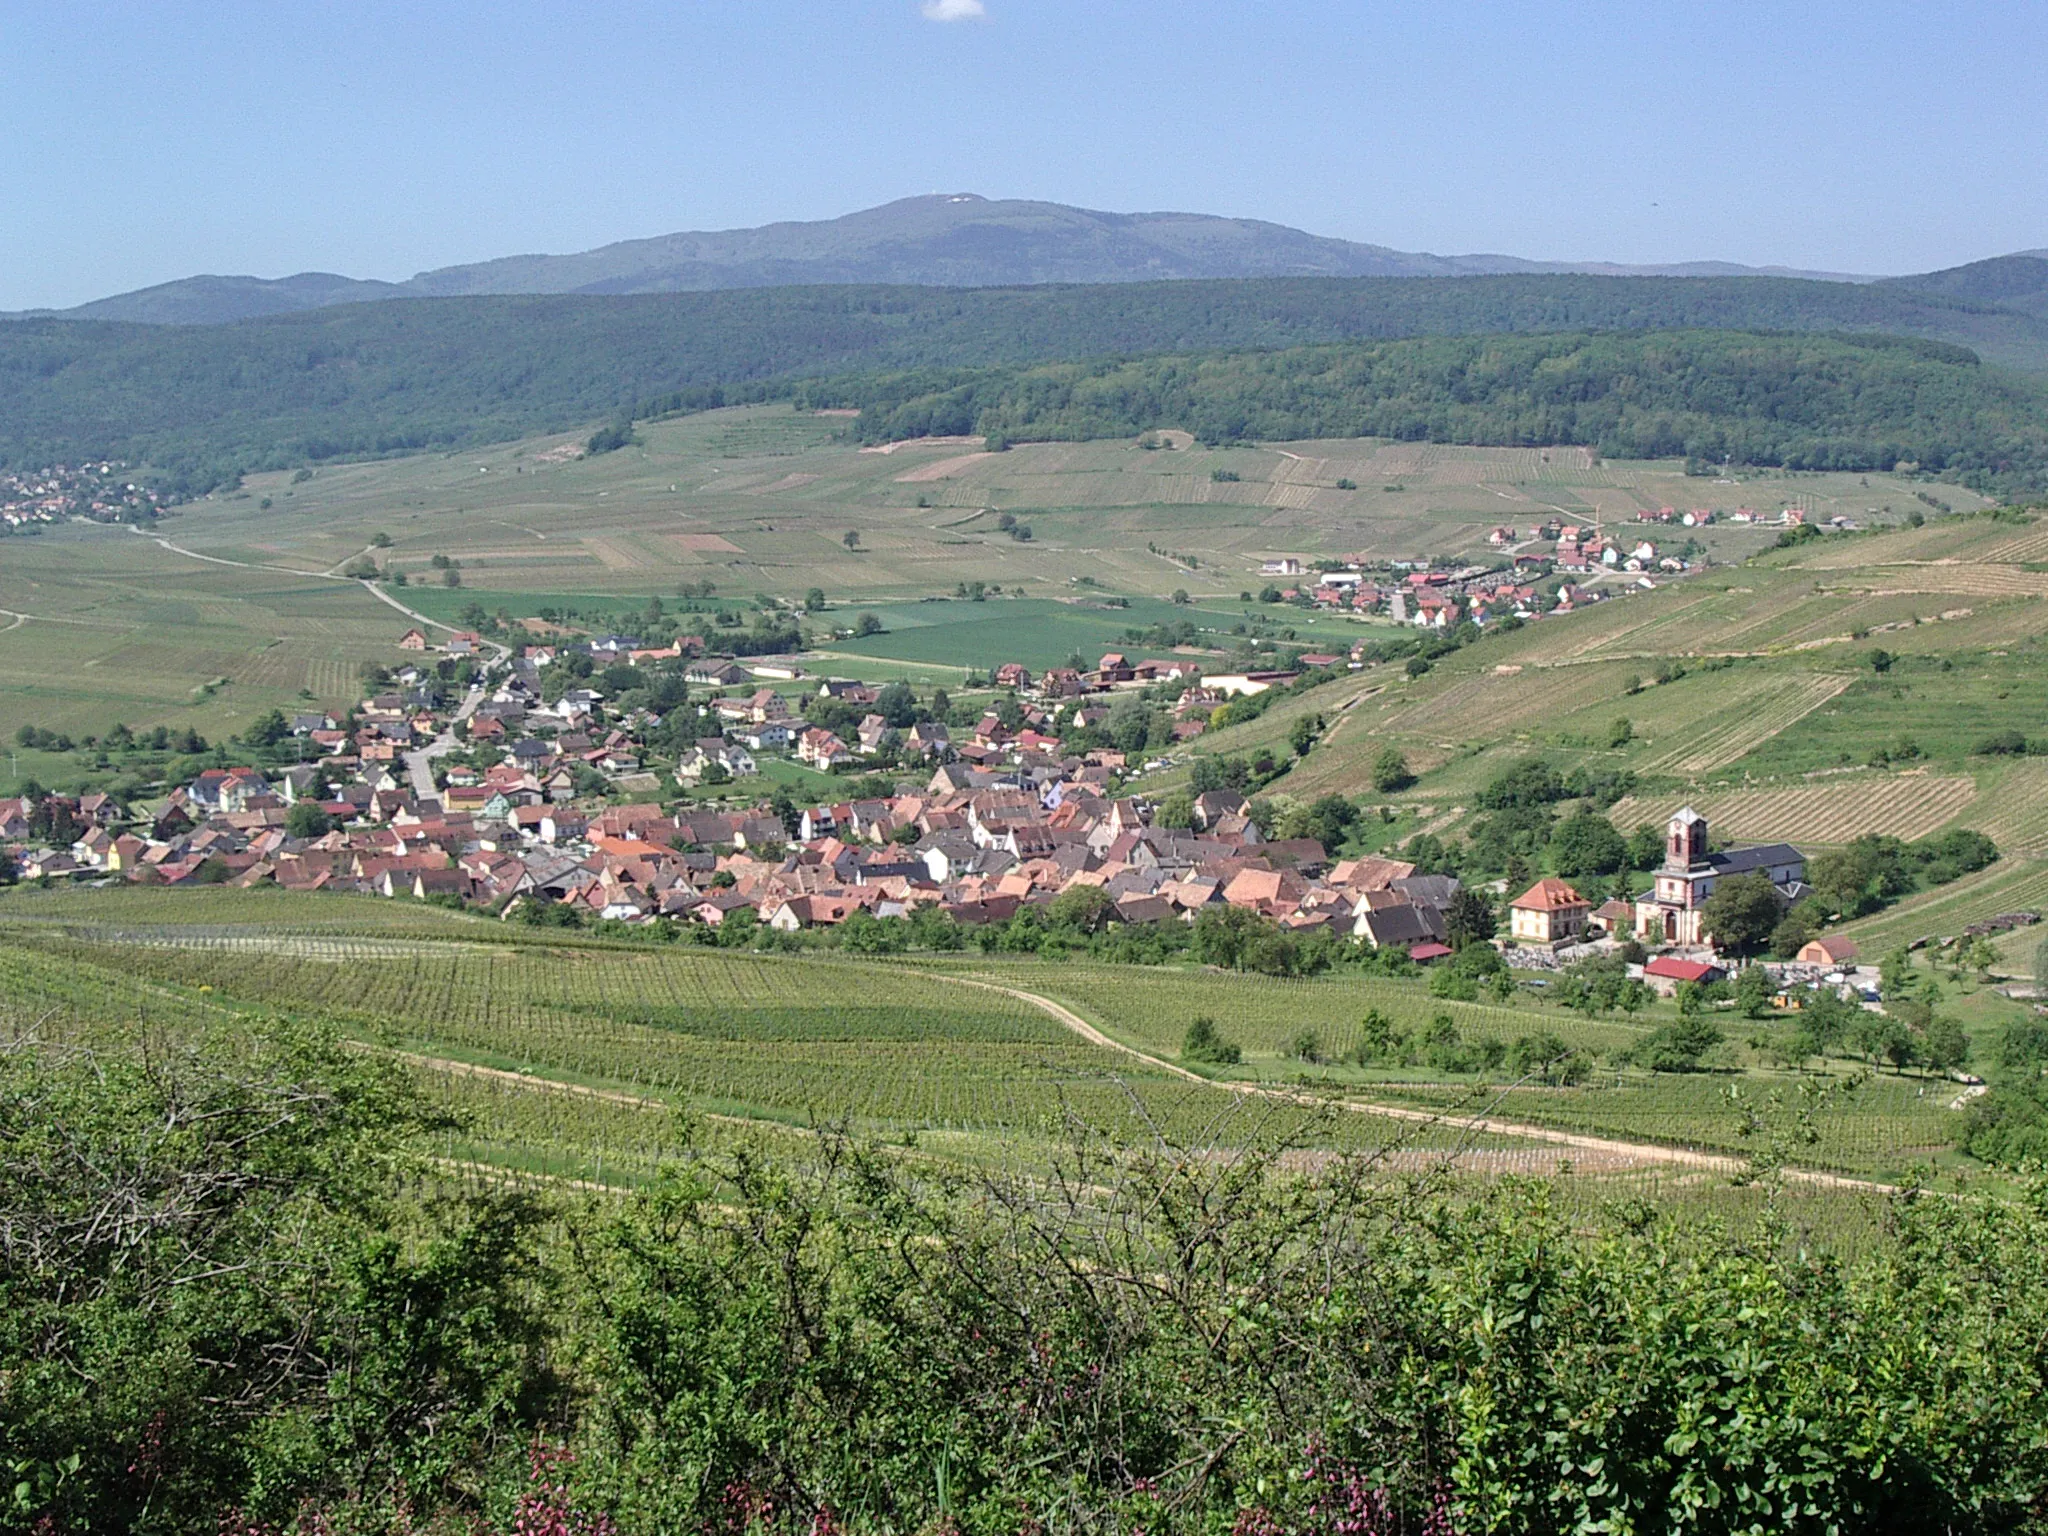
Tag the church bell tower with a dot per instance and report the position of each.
(1685, 840)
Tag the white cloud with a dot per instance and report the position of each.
(954, 10)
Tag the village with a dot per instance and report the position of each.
(1552, 567)
(94, 491)
(509, 781)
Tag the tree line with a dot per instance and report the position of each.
(1834, 402)
(202, 405)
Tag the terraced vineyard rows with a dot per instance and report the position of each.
(1884, 1127)
(1900, 805)
(1151, 1008)
(2011, 885)
(223, 909)
(1490, 704)
(1888, 1122)
(2013, 810)
(1748, 722)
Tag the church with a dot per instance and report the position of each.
(1670, 911)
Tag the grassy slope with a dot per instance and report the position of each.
(1771, 728)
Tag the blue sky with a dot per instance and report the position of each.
(153, 139)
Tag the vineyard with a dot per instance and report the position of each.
(582, 1060)
(261, 910)
(1884, 1125)
(1881, 1123)
(2011, 885)
(1747, 723)
(883, 1050)
(1898, 805)
(1150, 1008)
(2013, 808)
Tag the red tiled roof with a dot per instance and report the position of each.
(1549, 895)
(1671, 968)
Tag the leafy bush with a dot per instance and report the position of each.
(1677, 1047)
(1207, 1047)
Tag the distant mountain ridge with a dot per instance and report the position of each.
(2018, 281)
(943, 240)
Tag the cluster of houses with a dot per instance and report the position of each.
(980, 844)
(95, 491)
(1439, 598)
(513, 794)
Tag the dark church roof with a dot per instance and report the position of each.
(1741, 861)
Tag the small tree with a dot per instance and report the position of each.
(1203, 1044)
(307, 819)
(1678, 1047)
(1753, 991)
(1587, 844)
(1470, 919)
(851, 539)
(1390, 771)
(1946, 1047)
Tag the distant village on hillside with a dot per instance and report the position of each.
(96, 492)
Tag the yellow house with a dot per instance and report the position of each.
(1549, 912)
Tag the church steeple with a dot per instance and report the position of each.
(1685, 840)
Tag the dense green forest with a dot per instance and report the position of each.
(1802, 401)
(200, 404)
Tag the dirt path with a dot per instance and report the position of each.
(240, 565)
(450, 1068)
(1646, 1152)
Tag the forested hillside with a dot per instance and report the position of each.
(200, 404)
(1805, 402)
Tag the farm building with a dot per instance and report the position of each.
(1835, 951)
(1664, 973)
(1671, 911)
